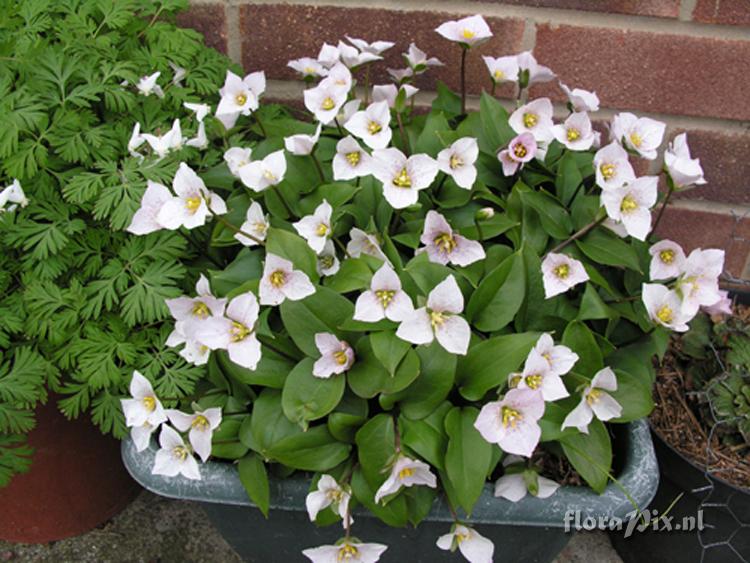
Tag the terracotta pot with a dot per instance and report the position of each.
(76, 482)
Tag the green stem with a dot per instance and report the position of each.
(479, 229)
(237, 230)
(663, 207)
(198, 247)
(464, 50)
(283, 201)
(402, 132)
(317, 166)
(260, 124)
(494, 87)
(578, 234)
(338, 126)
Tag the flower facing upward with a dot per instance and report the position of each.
(406, 472)
(664, 307)
(631, 205)
(642, 135)
(443, 245)
(347, 552)
(612, 167)
(698, 283)
(561, 272)
(502, 69)
(350, 161)
(469, 32)
(235, 331)
(201, 426)
(474, 547)
(325, 100)
(684, 170)
(241, 95)
(667, 260)
(308, 68)
(147, 85)
(575, 133)
(403, 177)
(316, 228)
(512, 422)
(535, 118)
(561, 359)
(281, 281)
(384, 300)
(581, 100)
(458, 161)
(174, 457)
(336, 356)
(171, 140)
(302, 145)
(538, 376)
(193, 203)
(261, 174)
(256, 224)
(521, 149)
(595, 401)
(372, 125)
(328, 493)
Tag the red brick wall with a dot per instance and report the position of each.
(685, 62)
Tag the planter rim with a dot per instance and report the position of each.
(221, 484)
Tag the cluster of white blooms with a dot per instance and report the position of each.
(12, 196)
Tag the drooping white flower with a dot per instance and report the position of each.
(193, 351)
(640, 134)
(162, 144)
(353, 57)
(521, 149)
(236, 158)
(200, 110)
(439, 319)
(512, 422)
(519, 480)
(361, 243)
(329, 55)
(145, 219)
(336, 356)
(147, 85)
(201, 426)
(241, 95)
(14, 195)
(443, 245)
(349, 551)
(136, 140)
(667, 260)
(403, 177)
(200, 141)
(308, 68)
(176, 138)
(533, 72)
(561, 359)
(384, 300)
(328, 493)
(372, 125)
(474, 547)
(458, 161)
(174, 457)
(327, 261)
(389, 93)
(502, 69)
(256, 223)
(350, 161)
(535, 118)
(631, 205)
(235, 332)
(575, 133)
(418, 61)
(401, 75)
(722, 307)
(179, 74)
(302, 145)
(560, 272)
(538, 376)
(684, 170)
(664, 307)
(376, 47)
(192, 312)
(581, 100)
(595, 401)
(699, 282)
(406, 472)
(141, 435)
(325, 100)
(613, 169)
(281, 281)
(258, 175)
(144, 407)
(470, 31)
(193, 203)
(316, 228)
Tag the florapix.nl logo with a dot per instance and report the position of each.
(634, 521)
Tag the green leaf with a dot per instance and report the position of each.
(433, 137)
(590, 454)
(555, 219)
(568, 178)
(376, 449)
(499, 296)
(634, 395)
(395, 513)
(427, 437)
(306, 397)
(368, 376)
(253, 476)
(554, 416)
(246, 266)
(389, 349)
(313, 450)
(353, 275)
(293, 248)
(447, 101)
(593, 307)
(579, 338)
(495, 128)
(271, 371)
(605, 247)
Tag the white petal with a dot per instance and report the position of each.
(579, 417)
(446, 297)
(511, 487)
(454, 335)
(315, 502)
(200, 439)
(416, 328)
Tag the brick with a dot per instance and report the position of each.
(731, 12)
(274, 34)
(210, 20)
(661, 8)
(638, 70)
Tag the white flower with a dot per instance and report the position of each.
(147, 85)
(349, 551)
(193, 352)
(141, 435)
(179, 74)
(236, 158)
(458, 161)
(235, 332)
(161, 145)
(241, 95)
(581, 100)
(401, 75)
(302, 145)
(722, 307)
(561, 359)
(406, 472)
(347, 110)
(200, 141)
(261, 174)
(201, 425)
(372, 125)
(512, 422)
(613, 169)
(502, 69)
(176, 138)
(664, 307)
(174, 457)
(389, 93)
(353, 58)
(535, 118)
(595, 401)
(316, 228)
(384, 300)
(325, 100)
(200, 110)
(336, 356)
(307, 67)
(470, 31)
(144, 407)
(256, 224)
(474, 547)
(361, 243)
(561, 272)
(136, 140)
(418, 60)
(667, 260)
(443, 245)
(376, 47)
(191, 312)
(642, 135)
(329, 55)
(521, 149)
(340, 77)
(281, 281)
(439, 319)
(403, 177)
(145, 219)
(327, 262)
(229, 120)
(575, 133)
(631, 204)
(536, 72)
(328, 493)
(14, 195)
(683, 170)
(699, 282)
(514, 484)
(538, 376)
(350, 161)
(193, 204)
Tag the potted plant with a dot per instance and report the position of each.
(404, 306)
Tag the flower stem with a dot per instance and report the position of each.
(404, 137)
(464, 50)
(663, 207)
(480, 234)
(239, 231)
(367, 84)
(283, 200)
(578, 234)
(494, 87)
(318, 167)
(341, 246)
(260, 124)
(338, 126)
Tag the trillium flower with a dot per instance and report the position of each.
(190, 312)
(532, 71)
(613, 169)
(161, 145)
(512, 422)
(349, 551)
(418, 60)
(469, 32)
(193, 204)
(640, 134)
(201, 425)
(401, 75)
(560, 359)
(200, 141)
(136, 140)
(560, 272)
(179, 74)
(147, 85)
(316, 228)
(14, 195)
(474, 547)
(443, 245)
(664, 307)
(518, 480)
(353, 58)
(699, 282)
(403, 177)
(631, 205)
(145, 219)
(538, 376)
(535, 118)
(521, 149)
(361, 243)
(406, 472)
(240, 95)
(329, 55)
(502, 69)
(340, 77)
(350, 161)
(683, 170)
(458, 161)
(327, 262)
(328, 493)
(667, 260)
(261, 174)
(347, 111)
(575, 133)
(236, 158)
(325, 100)
(200, 110)
(144, 407)
(302, 145)
(256, 223)
(581, 100)
(235, 332)
(595, 401)
(376, 47)
(372, 125)
(194, 352)
(722, 307)
(307, 67)
(281, 281)
(384, 300)
(336, 356)
(174, 457)
(439, 319)
(389, 93)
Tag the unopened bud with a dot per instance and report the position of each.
(485, 213)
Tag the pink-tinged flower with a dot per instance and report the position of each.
(389, 93)
(194, 352)
(469, 32)
(667, 260)
(595, 401)
(376, 47)
(664, 307)
(536, 72)
(418, 61)
(474, 547)
(535, 118)
(684, 170)
(349, 551)
(327, 262)
(439, 319)
(372, 125)
(336, 356)
(384, 300)
(191, 312)
(236, 158)
(631, 205)
(329, 55)
(174, 457)
(581, 100)
(560, 272)
(199, 110)
(350, 161)
(521, 150)
(640, 134)
(281, 281)
(538, 376)
(259, 175)
(613, 169)
(325, 100)
(502, 69)
(235, 332)
(144, 407)
(406, 472)
(722, 307)
(458, 161)
(147, 85)
(575, 133)
(316, 228)
(193, 204)
(241, 95)
(512, 422)
(403, 177)
(328, 493)
(302, 145)
(256, 223)
(308, 68)
(144, 221)
(201, 425)
(353, 58)
(699, 282)
(443, 245)
(560, 359)
(361, 243)
(519, 480)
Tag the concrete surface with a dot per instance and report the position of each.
(154, 529)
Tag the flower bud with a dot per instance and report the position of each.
(485, 213)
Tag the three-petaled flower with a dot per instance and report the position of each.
(631, 205)
(595, 401)
(316, 228)
(458, 161)
(384, 300)
(336, 356)
(281, 281)
(174, 457)
(403, 177)
(560, 272)
(512, 422)
(406, 472)
(443, 245)
(473, 546)
(201, 426)
(469, 32)
(143, 412)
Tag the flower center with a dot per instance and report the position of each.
(628, 204)
(437, 319)
(200, 422)
(180, 452)
(240, 99)
(403, 180)
(456, 161)
(519, 150)
(461, 537)
(193, 203)
(239, 332)
(268, 175)
(499, 75)
(468, 34)
(636, 139)
(201, 310)
(511, 417)
(667, 256)
(593, 396)
(445, 243)
(149, 402)
(309, 70)
(562, 271)
(573, 134)
(260, 227)
(328, 104)
(347, 552)
(607, 170)
(374, 127)
(665, 314)
(385, 296)
(530, 120)
(534, 381)
(353, 157)
(406, 472)
(514, 381)
(340, 357)
(278, 278)
(322, 230)
(326, 261)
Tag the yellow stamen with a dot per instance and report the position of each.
(608, 171)
(461, 537)
(201, 310)
(406, 472)
(636, 139)
(665, 314)
(353, 157)
(326, 262)
(309, 70)
(519, 150)
(499, 75)
(322, 230)
(511, 417)
(530, 120)
(445, 243)
(260, 227)
(573, 134)
(239, 332)
(456, 161)
(328, 104)
(180, 452)
(562, 271)
(347, 552)
(385, 296)
(268, 175)
(240, 99)
(667, 256)
(437, 319)
(403, 180)
(278, 278)
(193, 203)
(468, 34)
(593, 396)
(340, 357)
(514, 381)
(149, 402)
(374, 127)
(533, 381)
(200, 422)
(628, 204)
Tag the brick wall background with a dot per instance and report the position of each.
(685, 62)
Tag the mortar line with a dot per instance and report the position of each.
(234, 35)
(528, 39)
(687, 7)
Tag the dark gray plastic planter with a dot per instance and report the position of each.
(530, 530)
